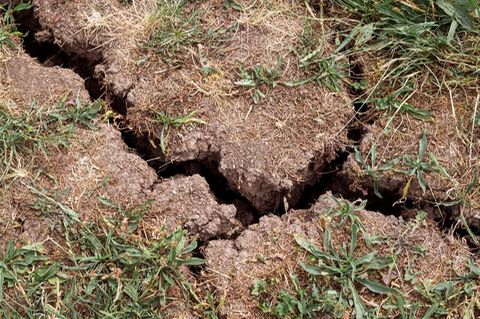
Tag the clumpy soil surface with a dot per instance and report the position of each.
(267, 251)
(98, 163)
(268, 151)
(210, 121)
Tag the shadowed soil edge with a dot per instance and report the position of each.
(329, 180)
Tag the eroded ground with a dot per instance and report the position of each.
(131, 130)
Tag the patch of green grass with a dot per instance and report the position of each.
(329, 71)
(436, 39)
(337, 279)
(177, 27)
(451, 298)
(392, 104)
(107, 269)
(322, 70)
(465, 204)
(299, 301)
(210, 308)
(412, 166)
(346, 268)
(334, 274)
(8, 30)
(259, 76)
(169, 121)
(25, 135)
(174, 28)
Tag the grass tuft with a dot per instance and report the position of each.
(8, 30)
(437, 39)
(109, 270)
(30, 133)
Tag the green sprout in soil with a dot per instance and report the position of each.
(174, 29)
(417, 166)
(392, 104)
(328, 71)
(374, 169)
(169, 121)
(259, 76)
(324, 71)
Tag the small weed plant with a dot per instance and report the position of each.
(260, 76)
(412, 166)
(337, 279)
(374, 169)
(167, 121)
(417, 166)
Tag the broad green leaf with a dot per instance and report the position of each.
(327, 240)
(193, 261)
(299, 82)
(376, 187)
(421, 181)
(365, 34)
(422, 146)
(358, 155)
(451, 31)
(2, 280)
(22, 6)
(313, 270)
(431, 311)
(458, 10)
(373, 154)
(365, 258)
(246, 83)
(353, 238)
(376, 287)
(360, 310)
(473, 267)
(311, 248)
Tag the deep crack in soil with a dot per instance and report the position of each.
(49, 53)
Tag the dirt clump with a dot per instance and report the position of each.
(95, 163)
(25, 80)
(270, 138)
